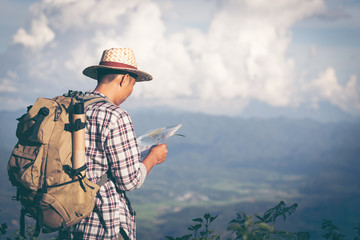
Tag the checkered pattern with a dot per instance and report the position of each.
(120, 55)
(110, 145)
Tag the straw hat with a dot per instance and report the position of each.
(122, 59)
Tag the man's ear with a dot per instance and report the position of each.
(125, 80)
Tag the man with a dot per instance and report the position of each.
(112, 150)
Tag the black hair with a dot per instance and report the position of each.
(108, 71)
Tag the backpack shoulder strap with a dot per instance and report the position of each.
(90, 99)
(103, 179)
(87, 99)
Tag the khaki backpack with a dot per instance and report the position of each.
(40, 166)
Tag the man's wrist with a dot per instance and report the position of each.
(149, 162)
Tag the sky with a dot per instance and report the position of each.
(211, 56)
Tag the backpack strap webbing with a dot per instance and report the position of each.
(22, 222)
(90, 99)
(64, 232)
(39, 222)
(102, 180)
(86, 98)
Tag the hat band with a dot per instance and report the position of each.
(116, 64)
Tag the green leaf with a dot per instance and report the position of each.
(198, 220)
(197, 226)
(3, 228)
(194, 227)
(260, 218)
(265, 227)
(235, 227)
(186, 237)
(215, 237)
(169, 238)
(213, 218)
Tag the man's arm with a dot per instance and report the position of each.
(156, 156)
(123, 154)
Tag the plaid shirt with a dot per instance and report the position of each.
(111, 147)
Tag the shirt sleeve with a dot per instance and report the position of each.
(123, 154)
(143, 171)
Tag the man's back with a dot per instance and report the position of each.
(111, 141)
(111, 147)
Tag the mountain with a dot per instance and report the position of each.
(228, 164)
(323, 112)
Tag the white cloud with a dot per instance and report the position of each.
(13, 103)
(326, 87)
(336, 15)
(39, 35)
(87, 15)
(241, 55)
(8, 83)
(313, 51)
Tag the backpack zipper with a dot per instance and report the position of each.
(58, 111)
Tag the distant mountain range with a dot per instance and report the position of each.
(324, 112)
(229, 162)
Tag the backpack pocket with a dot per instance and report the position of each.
(68, 203)
(54, 213)
(23, 166)
(37, 124)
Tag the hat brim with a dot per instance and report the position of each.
(92, 72)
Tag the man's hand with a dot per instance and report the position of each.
(160, 152)
(156, 155)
